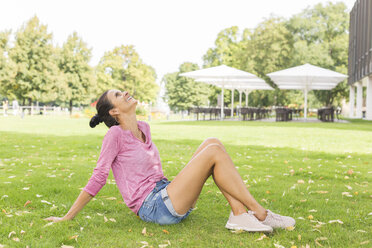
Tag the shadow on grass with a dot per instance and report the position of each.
(357, 125)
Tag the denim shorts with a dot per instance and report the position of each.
(158, 208)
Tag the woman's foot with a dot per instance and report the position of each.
(247, 222)
(278, 221)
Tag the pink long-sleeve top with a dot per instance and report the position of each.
(135, 165)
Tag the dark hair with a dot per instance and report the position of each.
(103, 107)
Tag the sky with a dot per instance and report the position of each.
(165, 33)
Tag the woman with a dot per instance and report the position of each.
(128, 150)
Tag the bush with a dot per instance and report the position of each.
(89, 112)
(141, 111)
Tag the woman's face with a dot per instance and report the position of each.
(122, 101)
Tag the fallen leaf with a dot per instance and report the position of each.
(67, 246)
(338, 221)
(364, 242)
(22, 232)
(237, 231)
(144, 231)
(44, 201)
(111, 198)
(293, 246)
(310, 217)
(112, 220)
(348, 187)
(300, 181)
(88, 217)
(299, 237)
(27, 202)
(26, 188)
(165, 231)
(313, 210)
(11, 233)
(320, 239)
(290, 228)
(278, 246)
(145, 244)
(350, 171)
(49, 224)
(105, 218)
(346, 194)
(74, 237)
(163, 245)
(16, 239)
(263, 236)
(361, 231)
(38, 196)
(321, 192)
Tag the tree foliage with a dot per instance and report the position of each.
(183, 93)
(33, 69)
(123, 69)
(321, 38)
(318, 35)
(36, 71)
(78, 83)
(6, 65)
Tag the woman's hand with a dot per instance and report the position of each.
(55, 219)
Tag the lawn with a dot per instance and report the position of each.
(319, 173)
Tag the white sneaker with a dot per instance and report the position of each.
(247, 222)
(278, 221)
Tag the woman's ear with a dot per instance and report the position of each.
(114, 112)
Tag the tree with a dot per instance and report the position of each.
(36, 71)
(6, 66)
(123, 69)
(182, 92)
(321, 38)
(79, 81)
(265, 49)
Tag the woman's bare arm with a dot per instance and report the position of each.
(80, 202)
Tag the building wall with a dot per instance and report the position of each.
(360, 41)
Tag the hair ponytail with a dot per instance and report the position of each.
(103, 107)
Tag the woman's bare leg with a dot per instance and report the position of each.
(186, 187)
(236, 206)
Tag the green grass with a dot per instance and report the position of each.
(54, 157)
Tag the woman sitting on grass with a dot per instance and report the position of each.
(127, 148)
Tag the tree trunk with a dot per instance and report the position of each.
(30, 104)
(70, 107)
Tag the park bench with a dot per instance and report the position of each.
(283, 114)
(326, 114)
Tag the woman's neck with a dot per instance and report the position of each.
(130, 123)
